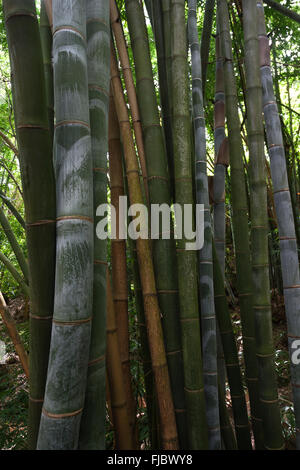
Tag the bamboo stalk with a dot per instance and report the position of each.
(13, 271)
(206, 39)
(283, 206)
(123, 433)
(14, 244)
(206, 294)
(259, 241)
(187, 260)
(283, 10)
(92, 427)
(117, 28)
(151, 307)
(70, 341)
(46, 42)
(242, 428)
(118, 261)
(13, 209)
(34, 143)
(14, 335)
(240, 224)
(164, 254)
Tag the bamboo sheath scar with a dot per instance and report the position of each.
(151, 307)
(283, 206)
(36, 165)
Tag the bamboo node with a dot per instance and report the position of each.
(62, 415)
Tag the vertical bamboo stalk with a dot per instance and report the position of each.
(92, 428)
(259, 230)
(206, 39)
(208, 319)
(123, 432)
(240, 223)
(164, 254)
(117, 28)
(70, 341)
(151, 307)
(34, 142)
(118, 261)
(187, 260)
(283, 206)
(46, 41)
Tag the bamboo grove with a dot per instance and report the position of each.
(112, 100)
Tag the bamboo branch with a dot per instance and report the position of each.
(14, 335)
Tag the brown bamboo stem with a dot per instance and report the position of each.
(115, 376)
(116, 24)
(151, 306)
(118, 259)
(14, 335)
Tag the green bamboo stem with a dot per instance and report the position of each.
(10, 267)
(14, 244)
(13, 209)
(240, 222)
(46, 42)
(259, 242)
(228, 435)
(69, 352)
(92, 428)
(151, 307)
(187, 260)
(34, 143)
(206, 39)
(206, 294)
(9, 143)
(242, 428)
(283, 207)
(159, 36)
(283, 10)
(164, 254)
(166, 16)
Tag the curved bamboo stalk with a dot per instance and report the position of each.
(118, 261)
(14, 335)
(208, 319)
(242, 428)
(13, 209)
(9, 143)
(92, 427)
(151, 307)
(206, 39)
(117, 28)
(164, 254)
(69, 352)
(14, 244)
(283, 10)
(187, 260)
(240, 223)
(123, 432)
(259, 240)
(228, 436)
(10, 267)
(34, 141)
(283, 207)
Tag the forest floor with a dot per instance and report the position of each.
(14, 385)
